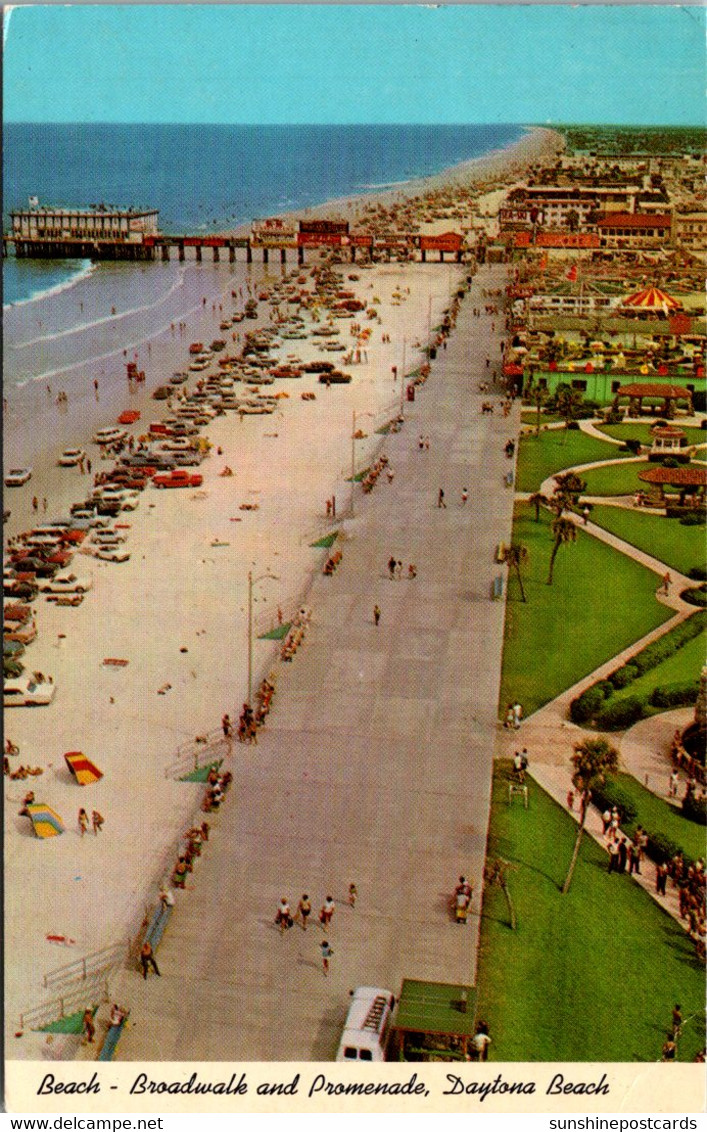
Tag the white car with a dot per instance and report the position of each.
(109, 435)
(67, 584)
(197, 365)
(16, 477)
(70, 457)
(111, 554)
(26, 690)
(127, 499)
(177, 444)
(107, 536)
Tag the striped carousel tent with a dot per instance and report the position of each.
(651, 299)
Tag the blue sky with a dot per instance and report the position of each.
(642, 64)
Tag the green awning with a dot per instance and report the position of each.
(326, 541)
(201, 773)
(70, 1024)
(435, 1008)
(280, 631)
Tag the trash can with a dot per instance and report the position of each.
(411, 392)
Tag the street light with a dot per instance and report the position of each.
(252, 582)
(353, 453)
(402, 381)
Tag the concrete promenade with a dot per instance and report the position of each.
(375, 762)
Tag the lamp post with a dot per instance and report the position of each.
(353, 454)
(251, 583)
(402, 381)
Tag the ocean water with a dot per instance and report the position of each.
(213, 177)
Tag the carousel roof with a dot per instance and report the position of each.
(651, 299)
(687, 475)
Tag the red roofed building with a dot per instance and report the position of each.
(668, 394)
(688, 481)
(634, 229)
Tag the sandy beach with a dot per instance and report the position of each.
(177, 611)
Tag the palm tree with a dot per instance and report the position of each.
(564, 531)
(568, 488)
(593, 759)
(513, 555)
(538, 500)
(567, 401)
(538, 396)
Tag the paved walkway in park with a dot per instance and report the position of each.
(375, 765)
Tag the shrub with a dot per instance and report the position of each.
(624, 676)
(678, 694)
(613, 416)
(613, 794)
(670, 462)
(585, 706)
(633, 446)
(698, 573)
(572, 425)
(696, 596)
(654, 653)
(621, 714)
(606, 688)
(660, 847)
(694, 519)
(694, 809)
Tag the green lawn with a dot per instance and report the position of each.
(615, 479)
(529, 415)
(655, 814)
(678, 546)
(552, 451)
(599, 603)
(643, 432)
(590, 976)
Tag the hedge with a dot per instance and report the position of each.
(621, 714)
(679, 694)
(589, 705)
(696, 596)
(585, 706)
(623, 676)
(660, 847)
(695, 810)
(698, 573)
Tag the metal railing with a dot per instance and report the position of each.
(196, 753)
(97, 963)
(65, 1005)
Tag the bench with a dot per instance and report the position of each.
(500, 554)
(517, 788)
(112, 1038)
(158, 923)
(497, 588)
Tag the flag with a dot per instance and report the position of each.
(572, 273)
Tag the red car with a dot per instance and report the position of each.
(129, 416)
(179, 477)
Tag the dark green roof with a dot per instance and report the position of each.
(434, 1008)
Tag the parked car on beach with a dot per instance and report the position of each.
(16, 477)
(67, 584)
(111, 554)
(109, 435)
(178, 478)
(27, 691)
(16, 631)
(71, 457)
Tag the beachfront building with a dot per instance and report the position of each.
(690, 231)
(98, 231)
(629, 230)
(603, 386)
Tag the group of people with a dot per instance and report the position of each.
(514, 715)
(96, 822)
(377, 468)
(216, 787)
(395, 569)
(284, 919)
(193, 840)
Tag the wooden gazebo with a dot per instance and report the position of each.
(689, 481)
(668, 394)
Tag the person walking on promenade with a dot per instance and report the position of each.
(623, 855)
(326, 913)
(353, 895)
(147, 959)
(667, 580)
(661, 877)
(326, 955)
(226, 726)
(517, 714)
(304, 911)
(89, 1026)
(392, 563)
(465, 494)
(613, 857)
(83, 822)
(670, 1049)
(440, 498)
(673, 783)
(481, 1042)
(97, 822)
(677, 1021)
(283, 917)
(376, 614)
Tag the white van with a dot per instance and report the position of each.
(367, 1025)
